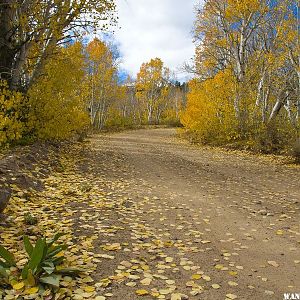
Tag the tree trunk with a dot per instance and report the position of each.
(7, 51)
(276, 109)
(38, 70)
(17, 72)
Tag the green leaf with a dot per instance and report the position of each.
(3, 264)
(48, 267)
(28, 245)
(37, 255)
(55, 238)
(58, 260)
(8, 257)
(55, 250)
(3, 272)
(52, 280)
(24, 273)
(69, 271)
(30, 278)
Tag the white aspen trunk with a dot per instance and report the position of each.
(265, 105)
(102, 115)
(40, 65)
(239, 57)
(150, 112)
(98, 125)
(124, 111)
(92, 117)
(287, 106)
(296, 64)
(18, 69)
(276, 109)
(260, 89)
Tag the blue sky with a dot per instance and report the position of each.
(155, 28)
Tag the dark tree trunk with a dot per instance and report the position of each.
(7, 47)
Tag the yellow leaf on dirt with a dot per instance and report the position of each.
(89, 289)
(195, 292)
(88, 279)
(145, 267)
(155, 294)
(273, 263)
(232, 283)
(176, 296)
(232, 273)
(165, 291)
(206, 278)
(131, 284)
(269, 292)
(196, 276)
(231, 296)
(146, 281)
(170, 282)
(205, 242)
(219, 267)
(141, 292)
(112, 247)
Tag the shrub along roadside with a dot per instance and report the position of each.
(210, 119)
(54, 107)
(42, 272)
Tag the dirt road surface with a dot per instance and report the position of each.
(197, 223)
(149, 216)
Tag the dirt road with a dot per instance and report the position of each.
(148, 216)
(229, 217)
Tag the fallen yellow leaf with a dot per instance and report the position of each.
(141, 292)
(89, 289)
(31, 291)
(196, 276)
(18, 286)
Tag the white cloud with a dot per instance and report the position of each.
(155, 28)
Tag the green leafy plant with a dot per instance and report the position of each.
(29, 219)
(43, 270)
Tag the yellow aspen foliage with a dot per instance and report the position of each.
(11, 114)
(151, 88)
(248, 78)
(242, 8)
(210, 113)
(32, 30)
(57, 99)
(103, 82)
(120, 112)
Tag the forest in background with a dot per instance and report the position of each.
(245, 90)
